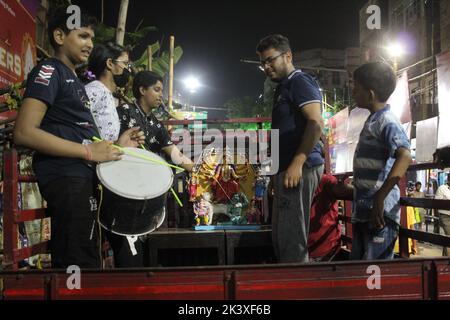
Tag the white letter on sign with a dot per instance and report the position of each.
(74, 21)
(374, 281)
(374, 21)
(74, 281)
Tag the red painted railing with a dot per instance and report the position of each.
(13, 216)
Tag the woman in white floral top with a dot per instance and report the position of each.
(112, 69)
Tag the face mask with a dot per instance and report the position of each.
(121, 80)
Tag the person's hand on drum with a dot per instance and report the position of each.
(104, 151)
(132, 138)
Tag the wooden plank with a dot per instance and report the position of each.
(28, 179)
(10, 201)
(443, 279)
(24, 287)
(425, 203)
(399, 279)
(29, 215)
(24, 253)
(186, 239)
(146, 285)
(433, 238)
(328, 281)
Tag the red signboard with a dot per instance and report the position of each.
(17, 42)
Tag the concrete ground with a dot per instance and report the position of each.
(426, 249)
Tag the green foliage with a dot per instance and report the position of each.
(139, 35)
(103, 33)
(160, 64)
(143, 61)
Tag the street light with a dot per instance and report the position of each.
(191, 84)
(395, 50)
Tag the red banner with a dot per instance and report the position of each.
(17, 42)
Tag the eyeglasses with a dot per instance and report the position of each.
(270, 60)
(129, 65)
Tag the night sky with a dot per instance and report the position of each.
(216, 35)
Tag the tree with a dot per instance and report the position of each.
(160, 63)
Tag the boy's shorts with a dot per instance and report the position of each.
(372, 244)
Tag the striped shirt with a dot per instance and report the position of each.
(379, 140)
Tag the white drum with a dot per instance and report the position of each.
(135, 190)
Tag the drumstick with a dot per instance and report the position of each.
(179, 170)
(176, 197)
(137, 155)
(171, 189)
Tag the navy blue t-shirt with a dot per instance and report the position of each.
(68, 117)
(292, 94)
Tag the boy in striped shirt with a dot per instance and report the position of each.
(381, 158)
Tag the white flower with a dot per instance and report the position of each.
(131, 123)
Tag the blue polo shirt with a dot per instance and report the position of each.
(293, 93)
(68, 116)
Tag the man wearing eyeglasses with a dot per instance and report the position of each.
(297, 115)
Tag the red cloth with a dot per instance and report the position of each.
(192, 191)
(231, 187)
(324, 230)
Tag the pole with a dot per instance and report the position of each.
(433, 66)
(172, 48)
(120, 35)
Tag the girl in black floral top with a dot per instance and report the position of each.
(148, 91)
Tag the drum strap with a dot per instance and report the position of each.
(131, 241)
